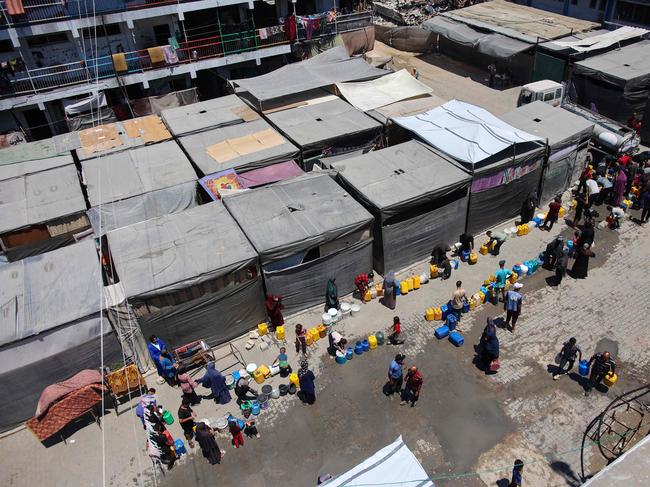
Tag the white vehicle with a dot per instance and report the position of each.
(545, 90)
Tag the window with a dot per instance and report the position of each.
(548, 96)
(6, 46)
(111, 30)
(39, 41)
(558, 93)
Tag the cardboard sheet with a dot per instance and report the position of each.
(99, 139)
(149, 129)
(247, 114)
(248, 144)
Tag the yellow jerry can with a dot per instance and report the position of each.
(262, 329)
(429, 315)
(279, 333)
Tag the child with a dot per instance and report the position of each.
(397, 330)
(283, 362)
(516, 474)
(251, 429)
(236, 432)
(576, 237)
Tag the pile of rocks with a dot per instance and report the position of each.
(414, 12)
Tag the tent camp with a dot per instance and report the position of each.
(567, 135)
(326, 125)
(119, 136)
(506, 163)
(210, 114)
(417, 196)
(39, 211)
(190, 275)
(305, 230)
(617, 83)
(242, 147)
(59, 145)
(48, 331)
(138, 184)
(392, 466)
(293, 81)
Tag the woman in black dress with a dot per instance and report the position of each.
(581, 264)
(208, 443)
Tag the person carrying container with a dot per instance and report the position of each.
(501, 277)
(601, 364)
(496, 241)
(568, 354)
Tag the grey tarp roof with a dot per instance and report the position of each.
(402, 176)
(330, 67)
(627, 68)
(42, 149)
(406, 108)
(287, 217)
(196, 146)
(48, 290)
(176, 251)
(218, 112)
(320, 125)
(556, 124)
(8, 171)
(40, 197)
(137, 171)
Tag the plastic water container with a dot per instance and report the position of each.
(293, 379)
(456, 338)
(452, 321)
(517, 269)
(445, 311)
(409, 284)
(255, 409)
(262, 329)
(340, 357)
(464, 256)
(416, 282)
(326, 319)
(524, 270)
(372, 342)
(454, 263)
(349, 353)
(398, 289)
(429, 315)
(404, 287)
(465, 308)
(442, 332)
(437, 313)
(279, 333)
(569, 244)
(167, 417)
(358, 348)
(179, 446)
(583, 368)
(365, 345)
(380, 338)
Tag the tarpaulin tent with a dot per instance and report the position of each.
(190, 275)
(326, 125)
(418, 197)
(306, 230)
(321, 71)
(23, 168)
(392, 466)
(32, 151)
(271, 174)
(617, 83)
(138, 184)
(567, 135)
(197, 117)
(119, 136)
(50, 325)
(242, 147)
(506, 163)
(392, 88)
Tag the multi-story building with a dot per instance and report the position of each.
(623, 12)
(54, 51)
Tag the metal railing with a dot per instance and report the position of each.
(341, 23)
(93, 69)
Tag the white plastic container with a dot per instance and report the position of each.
(345, 309)
(327, 319)
(355, 309)
(250, 368)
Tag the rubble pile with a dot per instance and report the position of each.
(414, 12)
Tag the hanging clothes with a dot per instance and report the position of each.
(15, 7)
(170, 55)
(263, 34)
(290, 28)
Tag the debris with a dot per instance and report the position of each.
(414, 12)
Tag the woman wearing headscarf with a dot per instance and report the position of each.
(244, 391)
(208, 443)
(389, 290)
(620, 183)
(217, 383)
(274, 309)
(306, 377)
(489, 344)
(581, 265)
(331, 295)
(528, 208)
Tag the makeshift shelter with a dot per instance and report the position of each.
(506, 163)
(242, 147)
(210, 114)
(326, 126)
(392, 466)
(59, 145)
(50, 325)
(40, 211)
(417, 196)
(567, 136)
(616, 83)
(190, 275)
(294, 81)
(119, 136)
(271, 174)
(138, 184)
(306, 230)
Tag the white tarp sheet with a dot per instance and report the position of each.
(392, 466)
(75, 107)
(603, 40)
(368, 95)
(466, 132)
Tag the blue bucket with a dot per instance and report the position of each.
(179, 446)
(464, 255)
(583, 368)
(341, 359)
(256, 408)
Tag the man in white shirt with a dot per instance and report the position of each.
(592, 191)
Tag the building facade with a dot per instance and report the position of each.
(623, 12)
(55, 52)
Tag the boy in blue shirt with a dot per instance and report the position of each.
(502, 276)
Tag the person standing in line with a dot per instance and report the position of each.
(584, 176)
(580, 267)
(501, 277)
(390, 298)
(150, 398)
(188, 386)
(568, 354)
(186, 417)
(620, 184)
(592, 191)
(527, 211)
(274, 309)
(606, 187)
(393, 338)
(553, 251)
(208, 443)
(411, 392)
(517, 472)
(396, 374)
(307, 379)
(216, 382)
(601, 364)
(331, 295)
(237, 433)
(581, 204)
(489, 345)
(466, 242)
(561, 266)
(586, 236)
(553, 214)
(458, 299)
(155, 348)
(301, 339)
(644, 203)
(512, 305)
(496, 241)
(445, 269)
